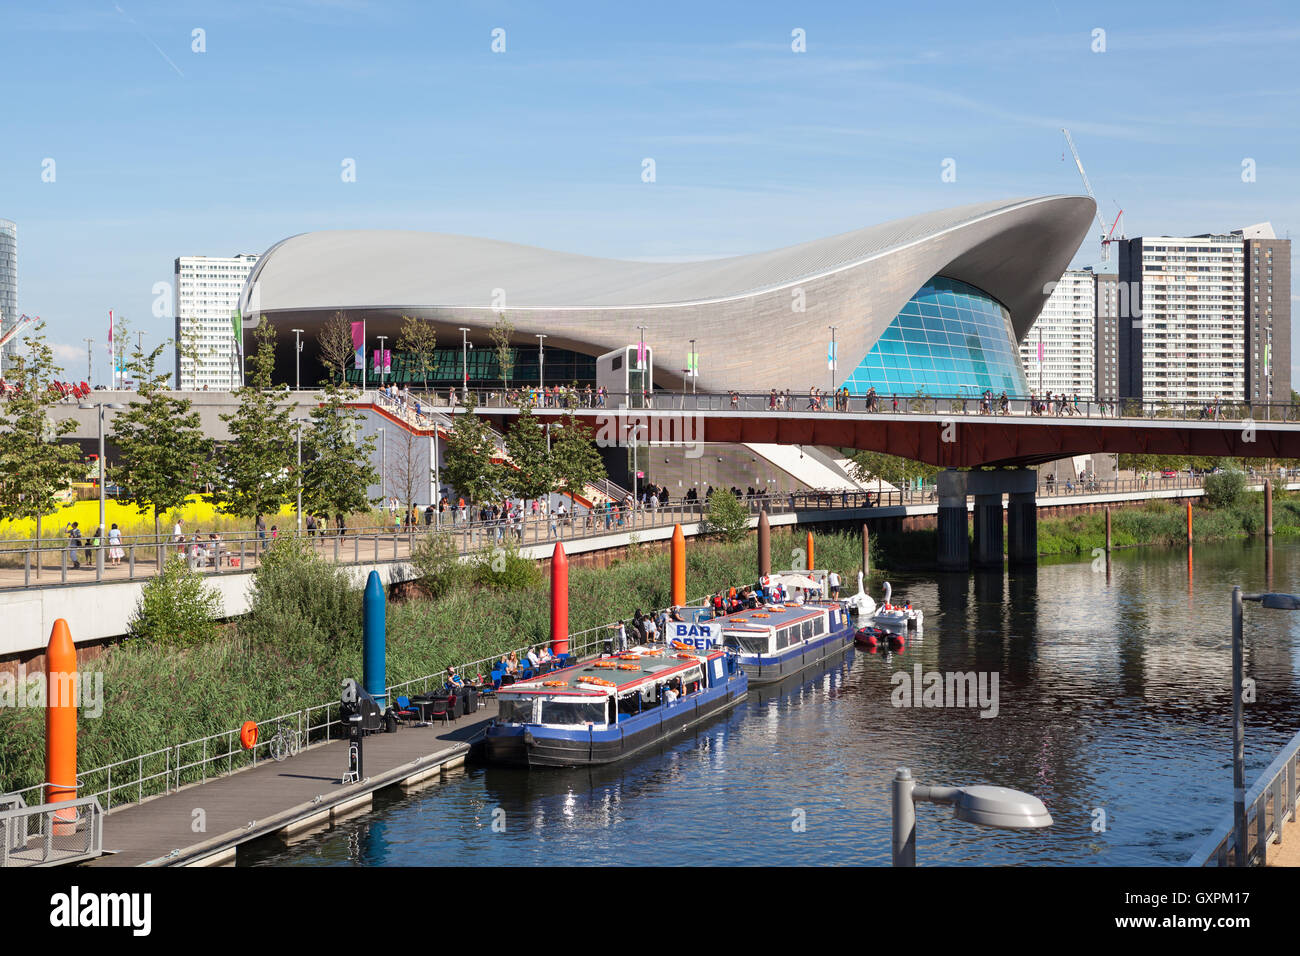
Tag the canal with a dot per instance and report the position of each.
(1113, 706)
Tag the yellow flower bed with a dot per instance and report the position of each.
(198, 514)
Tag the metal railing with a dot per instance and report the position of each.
(1270, 803)
(50, 833)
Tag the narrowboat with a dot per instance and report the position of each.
(606, 709)
(776, 641)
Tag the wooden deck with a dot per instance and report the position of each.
(300, 793)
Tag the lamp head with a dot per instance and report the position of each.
(1280, 602)
(1001, 807)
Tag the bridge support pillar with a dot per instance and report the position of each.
(987, 543)
(953, 539)
(1022, 529)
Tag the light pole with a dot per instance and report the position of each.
(541, 359)
(383, 366)
(636, 429)
(832, 360)
(297, 361)
(103, 533)
(90, 362)
(299, 423)
(1278, 602)
(464, 360)
(693, 364)
(987, 806)
(383, 466)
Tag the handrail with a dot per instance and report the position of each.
(1270, 802)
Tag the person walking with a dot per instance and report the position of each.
(74, 545)
(261, 533)
(115, 552)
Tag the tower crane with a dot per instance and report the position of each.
(1107, 236)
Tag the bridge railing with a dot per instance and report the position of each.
(1270, 803)
(1034, 406)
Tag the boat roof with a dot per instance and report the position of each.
(778, 616)
(628, 669)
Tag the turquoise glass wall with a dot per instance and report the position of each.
(950, 339)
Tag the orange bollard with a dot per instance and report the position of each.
(559, 601)
(61, 719)
(678, 565)
(1189, 522)
(811, 565)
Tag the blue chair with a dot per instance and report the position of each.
(404, 711)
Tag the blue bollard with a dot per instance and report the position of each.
(372, 640)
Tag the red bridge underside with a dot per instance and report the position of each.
(970, 441)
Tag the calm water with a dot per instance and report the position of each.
(1113, 694)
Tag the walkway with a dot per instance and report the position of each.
(302, 792)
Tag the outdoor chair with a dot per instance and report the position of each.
(405, 712)
(440, 708)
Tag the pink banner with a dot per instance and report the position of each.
(358, 344)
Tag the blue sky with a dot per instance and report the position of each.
(161, 151)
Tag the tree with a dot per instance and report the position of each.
(407, 468)
(336, 466)
(163, 455)
(1225, 489)
(870, 465)
(532, 475)
(255, 475)
(334, 345)
(500, 335)
(468, 465)
(419, 340)
(176, 608)
(575, 460)
(726, 516)
(35, 466)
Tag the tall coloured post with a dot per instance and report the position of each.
(372, 639)
(678, 564)
(1108, 529)
(764, 545)
(1268, 508)
(866, 550)
(1189, 521)
(811, 563)
(560, 600)
(61, 716)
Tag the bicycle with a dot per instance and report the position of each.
(284, 743)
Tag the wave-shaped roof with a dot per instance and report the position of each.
(349, 269)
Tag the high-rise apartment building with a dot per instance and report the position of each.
(1205, 317)
(1058, 352)
(207, 297)
(8, 287)
(1106, 342)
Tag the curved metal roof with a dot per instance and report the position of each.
(351, 269)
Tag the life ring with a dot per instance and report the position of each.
(681, 646)
(552, 683)
(604, 664)
(629, 667)
(761, 615)
(598, 682)
(248, 734)
(684, 657)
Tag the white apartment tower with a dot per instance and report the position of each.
(207, 298)
(8, 286)
(1066, 331)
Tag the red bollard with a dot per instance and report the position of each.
(811, 565)
(61, 721)
(559, 601)
(678, 565)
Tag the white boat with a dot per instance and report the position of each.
(893, 616)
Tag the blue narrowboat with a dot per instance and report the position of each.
(776, 641)
(606, 709)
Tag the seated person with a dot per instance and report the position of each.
(670, 694)
(512, 663)
(454, 680)
(534, 659)
(674, 614)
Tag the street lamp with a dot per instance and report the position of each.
(1277, 602)
(832, 359)
(299, 422)
(383, 466)
(987, 806)
(541, 359)
(103, 533)
(464, 358)
(297, 359)
(383, 366)
(693, 364)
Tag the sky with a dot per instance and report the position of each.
(130, 139)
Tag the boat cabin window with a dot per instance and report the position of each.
(572, 712)
(807, 629)
(515, 711)
(787, 636)
(819, 625)
(747, 643)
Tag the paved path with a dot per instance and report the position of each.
(1286, 853)
(267, 798)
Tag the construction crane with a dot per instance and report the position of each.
(1107, 236)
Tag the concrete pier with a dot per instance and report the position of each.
(956, 550)
(953, 539)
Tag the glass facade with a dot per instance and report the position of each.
(949, 339)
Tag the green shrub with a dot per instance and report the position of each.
(436, 560)
(502, 568)
(300, 603)
(727, 517)
(1225, 488)
(176, 608)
